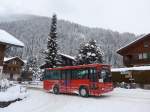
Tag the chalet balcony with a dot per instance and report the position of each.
(14, 71)
(134, 62)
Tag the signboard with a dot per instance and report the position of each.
(124, 72)
(129, 75)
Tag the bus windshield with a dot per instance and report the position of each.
(105, 75)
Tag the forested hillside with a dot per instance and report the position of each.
(34, 30)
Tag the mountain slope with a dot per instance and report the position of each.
(34, 30)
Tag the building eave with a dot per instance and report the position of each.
(8, 39)
(119, 51)
(11, 58)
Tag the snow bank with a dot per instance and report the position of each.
(9, 39)
(4, 83)
(13, 93)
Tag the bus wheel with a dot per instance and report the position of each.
(83, 91)
(56, 90)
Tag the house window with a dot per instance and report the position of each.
(143, 56)
(146, 44)
(140, 56)
(14, 62)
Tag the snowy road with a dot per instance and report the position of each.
(120, 100)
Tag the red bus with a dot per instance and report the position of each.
(85, 80)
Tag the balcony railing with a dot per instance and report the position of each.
(136, 61)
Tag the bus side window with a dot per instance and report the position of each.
(63, 75)
(82, 74)
(74, 75)
(55, 75)
(46, 75)
(66, 74)
(49, 73)
(79, 74)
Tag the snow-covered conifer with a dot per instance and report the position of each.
(51, 54)
(32, 66)
(89, 53)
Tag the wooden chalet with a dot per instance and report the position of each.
(2, 50)
(6, 41)
(63, 60)
(137, 53)
(12, 67)
(136, 58)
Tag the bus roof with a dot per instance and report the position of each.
(78, 66)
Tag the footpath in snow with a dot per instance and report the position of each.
(120, 100)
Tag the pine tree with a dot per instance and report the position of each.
(32, 66)
(51, 54)
(89, 53)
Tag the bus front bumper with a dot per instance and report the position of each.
(101, 90)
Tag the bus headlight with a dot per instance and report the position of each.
(102, 88)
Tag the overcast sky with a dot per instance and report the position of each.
(120, 15)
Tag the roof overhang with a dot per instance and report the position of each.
(121, 50)
(8, 39)
(12, 58)
(67, 56)
(140, 68)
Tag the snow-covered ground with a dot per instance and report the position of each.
(120, 100)
(13, 93)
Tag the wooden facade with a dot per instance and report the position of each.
(12, 68)
(2, 52)
(136, 53)
(141, 77)
(7, 40)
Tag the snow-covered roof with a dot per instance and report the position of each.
(7, 59)
(140, 68)
(65, 55)
(132, 42)
(7, 38)
(10, 58)
(68, 56)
